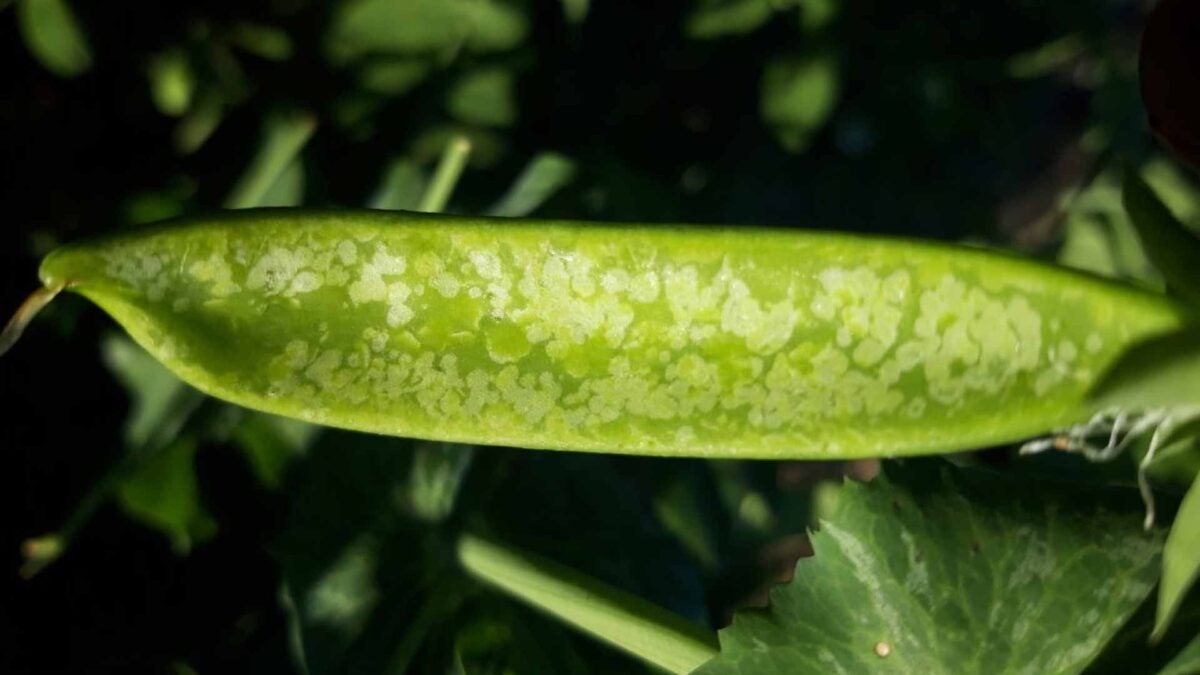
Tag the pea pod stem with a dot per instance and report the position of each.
(450, 168)
(35, 303)
(625, 621)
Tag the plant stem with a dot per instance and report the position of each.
(284, 138)
(625, 621)
(450, 167)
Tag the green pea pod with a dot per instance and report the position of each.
(686, 341)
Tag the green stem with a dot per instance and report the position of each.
(450, 167)
(625, 621)
(284, 138)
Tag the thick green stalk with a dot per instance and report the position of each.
(627, 622)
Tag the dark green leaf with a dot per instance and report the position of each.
(1187, 662)
(162, 492)
(1181, 560)
(484, 97)
(1161, 372)
(933, 569)
(1173, 249)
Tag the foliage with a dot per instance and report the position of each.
(164, 530)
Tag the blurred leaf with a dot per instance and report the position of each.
(916, 572)
(817, 14)
(485, 97)
(393, 76)
(357, 571)
(283, 137)
(1047, 58)
(1162, 372)
(1089, 246)
(1173, 249)
(546, 174)
(400, 27)
(722, 18)
(53, 35)
(575, 11)
(288, 188)
(543, 501)
(271, 443)
(401, 188)
(154, 390)
(162, 492)
(499, 638)
(199, 123)
(1181, 560)
(1186, 662)
(435, 477)
(172, 82)
(797, 96)
(268, 42)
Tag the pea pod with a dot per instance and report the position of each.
(686, 341)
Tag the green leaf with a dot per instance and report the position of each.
(355, 567)
(408, 27)
(1187, 662)
(394, 76)
(546, 174)
(268, 42)
(484, 97)
(917, 572)
(1161, 372)
(271, 443)
(1173, 249)
(665, 341)
(722, 18)
(1181, 560)
(172, 82)
(161, 491)
(53, 35)
(796, 97)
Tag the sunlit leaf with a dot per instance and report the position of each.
(1181, 560)
(52, 33)
(934, 570)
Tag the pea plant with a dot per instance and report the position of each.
(508, 443)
